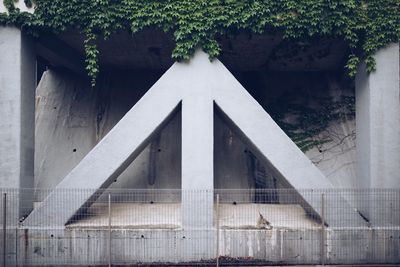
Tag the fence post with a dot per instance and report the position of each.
(109, 230)
(217, 225)
(4, 228)
(323, 229)
(16, 246)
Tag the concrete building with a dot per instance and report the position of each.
(200, 126)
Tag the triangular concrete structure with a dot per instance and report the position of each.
(198, 86)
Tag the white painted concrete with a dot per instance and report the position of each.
(378, 130)
(378, 121)
(17, 87)
(198, 83)
(197, 141)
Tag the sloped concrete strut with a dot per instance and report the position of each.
(197, 84)
(109, 157)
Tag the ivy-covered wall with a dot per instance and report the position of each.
(365, 25)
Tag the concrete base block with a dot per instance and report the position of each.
(90, 247)
(370, 245)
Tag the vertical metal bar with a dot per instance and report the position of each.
(217, 225)
(323, 229)
(109, 230)
(4, 228)
(16, 246)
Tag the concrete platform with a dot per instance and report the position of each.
(168, 216)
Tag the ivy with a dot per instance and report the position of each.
(365, 25)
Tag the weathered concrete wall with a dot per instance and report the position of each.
(336, 159)
(17, 88)
(71, 118)
(232, 168)
(90, 246)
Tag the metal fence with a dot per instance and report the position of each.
(208, 227)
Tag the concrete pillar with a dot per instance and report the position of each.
(197, 156)
(378, 123)
(17, 109)
(197, 151)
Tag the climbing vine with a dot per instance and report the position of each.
(365, 25)
(308, 125)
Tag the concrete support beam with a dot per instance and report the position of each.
(197, 157)
(109, 157)
(277, 150)
(17, 109)
(197, 84)
(197, 144)
(378, 121)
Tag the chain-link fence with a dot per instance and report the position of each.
(208, 227)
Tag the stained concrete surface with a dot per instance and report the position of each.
(130, 246)
(71, 119)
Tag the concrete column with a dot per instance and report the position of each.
(17, 109)
(378, 125)
(197, 157)
(197, 163)
(378, 121)
(197, 146)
